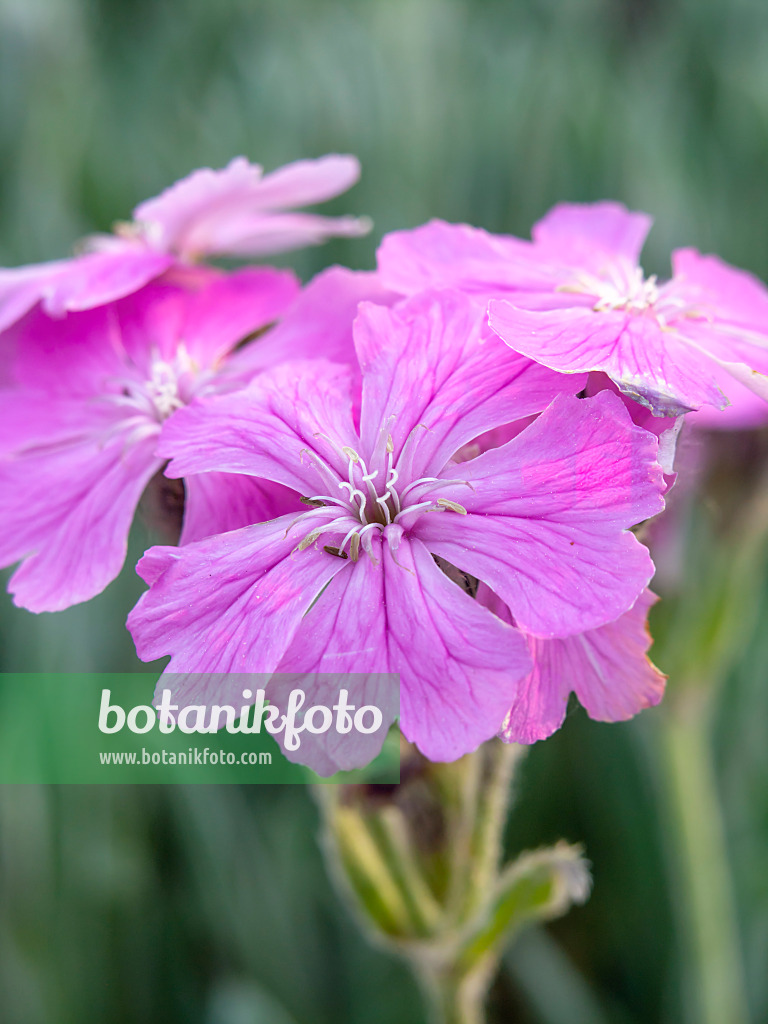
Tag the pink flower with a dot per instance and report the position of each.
(235, 211)
(352, 583)
(665, 428)
(607, 668)
(86, 398)
(747, 411)
(576, 299)
(318, 322)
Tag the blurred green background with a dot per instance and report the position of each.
(211, 905)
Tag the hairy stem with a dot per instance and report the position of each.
(454, 997)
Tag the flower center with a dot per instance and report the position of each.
(168, 386)
(149, 397)
(162, 389)
(627, 288)
(621, 285)
(369, 501)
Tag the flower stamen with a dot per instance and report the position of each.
(363, 510)
(453, 506)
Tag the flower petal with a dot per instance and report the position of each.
(220, 502)
(222, 212)
(31, 419)
(607, 668)
(100, 277)
(548, 513)
(265, 233)
(21, 288)
(747, 410)
(85, 282)
(305, 182)
(330, 752)
(229, 603)
(66, 510)
(429, 372)
(346, 630)
(210, 320)
(264, 429)
(439, 255)
(327, 752)
(578, 231)
(67, 357)
(459, 665)
(656, 367)
(739, 298)
(666, 428)
(318, 323)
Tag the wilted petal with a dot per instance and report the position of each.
(666, 428)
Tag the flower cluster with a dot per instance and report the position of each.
(432, 470)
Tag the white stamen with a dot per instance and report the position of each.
(435, 482)
(365, 538)
(622, 286)
(365, 510)
(423, 480)
(330, 476)
(392, 477)
(413, 508)
(355, 493)
(382, 501)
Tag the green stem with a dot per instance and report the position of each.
(478, 835)
(454, 997)
(495, 794)
(439, 896)
(716, 978)
(389, 832)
